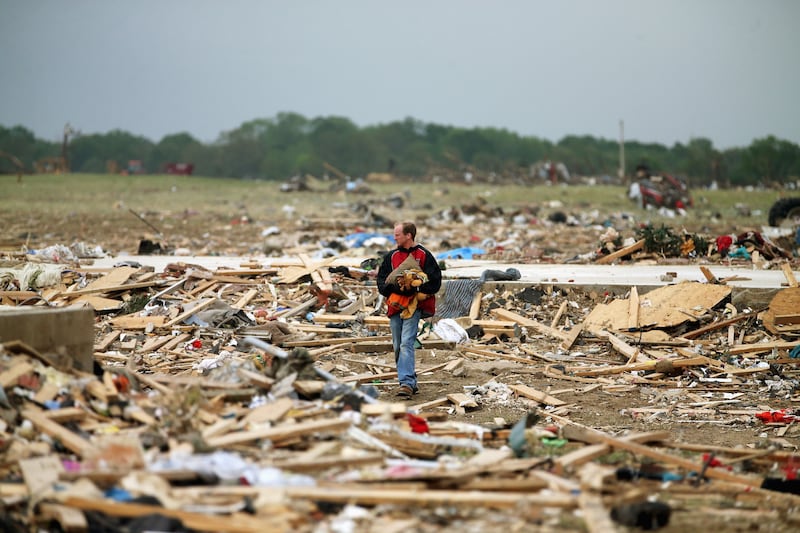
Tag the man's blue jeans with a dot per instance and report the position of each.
(404, 335)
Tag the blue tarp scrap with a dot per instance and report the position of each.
(461, 253)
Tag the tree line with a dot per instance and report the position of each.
(290, 144)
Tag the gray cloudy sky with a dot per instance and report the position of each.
(727, 70)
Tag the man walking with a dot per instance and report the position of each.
(409, 277)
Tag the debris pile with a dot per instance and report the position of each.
(258, 399)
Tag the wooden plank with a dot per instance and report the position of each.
(107, 340)
(12, 375)
(324, 463)
(462, 400)
(335, 341)
(595, 515)
(533, 394)
(137, 322)
(66, 414)
(154, 343)
(711, 278)
(46, 392)
(645, 451)
(245, 299)
(234, 523)
(186, 314)
(125, 287)
(281, 432)
(632, 353)
(761, 347)
(475, 307)
(269, 412)
(789, 275)
(115, 277)
(426, 405)
(622, 252)
(527, 322)
(497, 500)
(559, 314)
(494, 355)
(633, 308)
(647, 365)
(715, 326)
(98, 303)
(70, 440)
(572, 336)
(564, 463)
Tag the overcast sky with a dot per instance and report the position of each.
(672, 70)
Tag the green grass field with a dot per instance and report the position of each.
(63, 195)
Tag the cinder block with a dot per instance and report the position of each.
(61, 334)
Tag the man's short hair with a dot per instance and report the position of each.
(409, 227)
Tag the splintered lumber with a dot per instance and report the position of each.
(234, 523)
(595, 515)
(426, 405)
(65, 414)
(116, 277)
(280, 432)
(245, 299)
(591, 452)
(622, 252)
(559, 314)
(107, 340)
(70, 440)
(137, 322)
(645, 451)
(716, 325)
(186, 314)
(631, 352)
(647, 365)
(372, 496)
(711, 278)
(633, 308)
(475, 307)
(98, 303)
(787, 272)
(10, 376)
(459, 399)
(116, 288)
(761, 347)
(572, 336)
(334, 341)
(324, 463)
(269, 412)
(505, 314)
(533, 394)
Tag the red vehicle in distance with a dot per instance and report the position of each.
(179, 169)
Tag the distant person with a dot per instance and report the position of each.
(407, 305)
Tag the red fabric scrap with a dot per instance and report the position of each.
(776, 417)
(417, 423)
